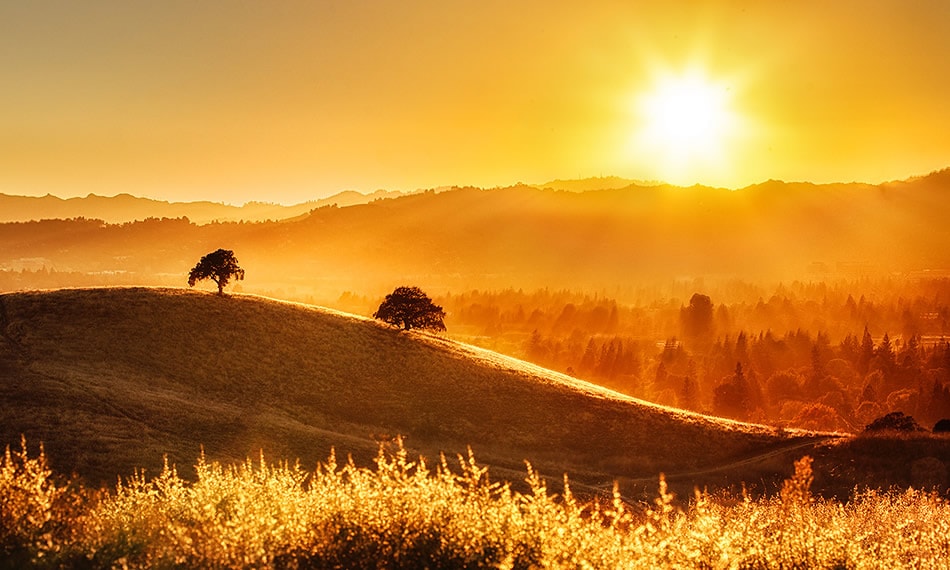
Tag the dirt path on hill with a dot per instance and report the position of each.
(725, 467)
(554, 481)
(628, 484)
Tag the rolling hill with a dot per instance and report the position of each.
(112, 379)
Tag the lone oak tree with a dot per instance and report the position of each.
(409, 307)
(219, 266)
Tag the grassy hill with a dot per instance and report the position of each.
(113, 379)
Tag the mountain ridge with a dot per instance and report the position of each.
(523, 237)
(124, 208)
(128, 207)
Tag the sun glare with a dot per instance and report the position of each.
(684, 125)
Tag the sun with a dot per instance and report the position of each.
(685, 123)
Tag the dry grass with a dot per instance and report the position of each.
(404, 514)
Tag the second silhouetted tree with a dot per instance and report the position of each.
(410, 308)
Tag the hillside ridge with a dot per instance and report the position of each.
(114, 379)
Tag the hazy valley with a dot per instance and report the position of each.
(524, 237)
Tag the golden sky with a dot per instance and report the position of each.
(286, 100)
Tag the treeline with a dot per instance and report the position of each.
(819, 356)
(904, 306)
(46, 278)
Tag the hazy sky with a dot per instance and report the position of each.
(287, 101)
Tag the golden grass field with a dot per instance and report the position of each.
(407, 514)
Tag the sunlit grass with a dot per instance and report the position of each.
(406, 514)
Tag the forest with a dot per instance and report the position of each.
(807, 355)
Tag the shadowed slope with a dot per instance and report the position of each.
(111, 379)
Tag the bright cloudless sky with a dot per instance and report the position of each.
(288, 100)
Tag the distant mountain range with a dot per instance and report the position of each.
(525, 236)
(126, 208)
(123, 208)
(595, 183)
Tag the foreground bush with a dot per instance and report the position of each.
(403, 514)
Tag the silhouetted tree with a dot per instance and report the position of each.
(535, 348)
(942, 426)
(732, 398)
(697, 318)
(850, 349)
(689, 393)
(894, 421)
(409, 308)
(884, 356)
(589, 359)
(219, 266)
(866, 352)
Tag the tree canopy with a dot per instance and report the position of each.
(219, 266)
(894, 421)
(409, 307)
(697, 318)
